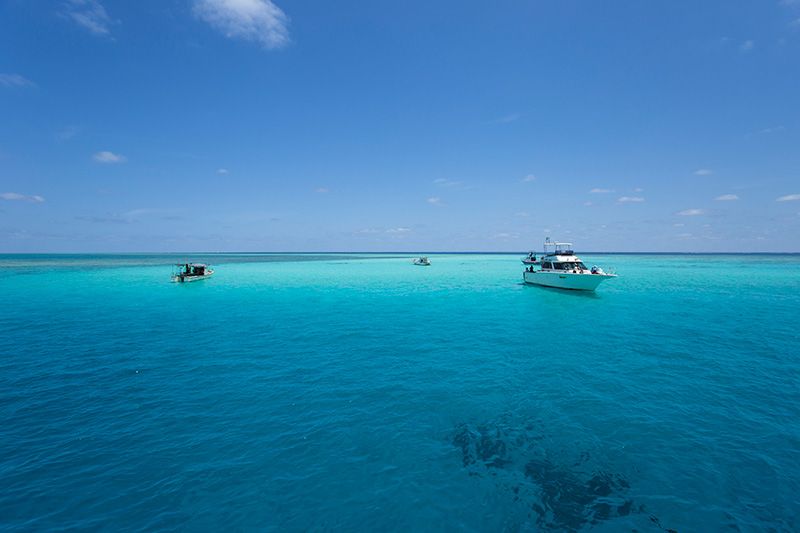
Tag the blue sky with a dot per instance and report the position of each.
(224, 125)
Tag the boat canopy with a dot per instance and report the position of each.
(559, 248)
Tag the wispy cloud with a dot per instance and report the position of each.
(68, 133)
(223, 171)
(109, 157)
(691, 212)
(598, 190)
(505, 119)
(322, 190)
(726, 198)
(259, 21)
(367, 231)
(398, 230)
(703, 172)
(630, 199)
(15, 80)
(132, 216)
(434, 200)
(588, 204)
(773, 129)
(450, 184)
(104, 219)
(788, 198)
(89, 15)
(747, 45)
(17, 197)
(522, 214)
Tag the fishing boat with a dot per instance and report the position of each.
(191, 272)
(530, 259)
(422, 261)
(559, 267)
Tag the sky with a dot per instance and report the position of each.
(292, 125)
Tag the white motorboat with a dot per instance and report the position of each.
(559, 267)
(530, 259)
(191, 272)
(422, 261)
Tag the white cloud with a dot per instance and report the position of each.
(109, 157)
(451, 184)
(638, 189)
(434, 200)
(691, 212)
(90, 15)
(598, 190)
(678, 225)
(630, 199)
(322, 190)
(529, 178)
(789, 198)
(223, 171)
(522, 214)
(258, 21)
(587, 204)
(367, 231)
(67, 133)
(726, 198)
(505, 236)
(15, 80)
(17, 197)
(747, 45)
(703, 172)
(507, 118)
(398, 230)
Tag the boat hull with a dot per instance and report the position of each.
(187, 279)
(566, 280)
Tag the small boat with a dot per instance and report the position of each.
(191, 272)
(562, 269)
(422, 261)
(530, 259)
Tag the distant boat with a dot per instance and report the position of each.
(422, 261)
(562, 269)
(530, 259)
(191, 272)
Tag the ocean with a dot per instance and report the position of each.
(361, 393)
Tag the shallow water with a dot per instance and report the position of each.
(346, 393)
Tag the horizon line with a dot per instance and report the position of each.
(412, 252)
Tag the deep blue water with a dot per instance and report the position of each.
(345, 393)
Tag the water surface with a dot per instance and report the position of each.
(361, 392)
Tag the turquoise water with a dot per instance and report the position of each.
(364, 393)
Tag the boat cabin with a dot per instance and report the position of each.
(192, 269)
(560, 256)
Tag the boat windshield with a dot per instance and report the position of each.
(566, 266)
